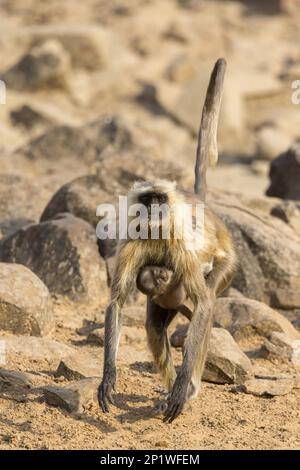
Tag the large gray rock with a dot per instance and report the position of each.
(268, 250)
(285, 175)
(63, 253)
(80, 197)
(25, 302)
(45, 64)
(246, 317)
(225, 362)
(116, 172)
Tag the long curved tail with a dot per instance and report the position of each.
(207, 148)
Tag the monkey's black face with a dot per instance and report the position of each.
(149, 198)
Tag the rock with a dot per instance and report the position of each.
(271, 142)
(58, 143)
(73, 398)
(116, 173)
(268, 388)
(266, 7)
(225, 362)
(96, 337)
(246, 317)
(87, 141)
(297, 382)
(289, 212)
(88, 46)
(285, 210)
(38, 116)
(262, 85)
(36, 348)
(232, 292)
(281, 345)
(287, 299)
(269, 250)
(25, 302)
(17, 194)
(285, 175)
(182, 30)
(43, 65)
(15, 379)
(260, 167)
(76, 368)
(28, 117)
(180, 70)
(63, 253)
(129, 335)
(179, 103)
(81, 198)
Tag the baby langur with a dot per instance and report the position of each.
(160, 284)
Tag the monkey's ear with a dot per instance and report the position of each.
(138, 186)
(166, 185)
(142, 184)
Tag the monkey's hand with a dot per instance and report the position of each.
(175, 402)
(105, 389)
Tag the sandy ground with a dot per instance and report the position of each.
(220, 418)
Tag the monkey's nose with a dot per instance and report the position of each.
(163, 274)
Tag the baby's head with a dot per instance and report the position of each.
(154, 280)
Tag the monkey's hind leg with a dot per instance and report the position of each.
(158, 320)
(195, 384)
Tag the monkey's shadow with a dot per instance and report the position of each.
(133, 413)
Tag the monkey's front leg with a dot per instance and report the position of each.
(112, 333)
(200, 322)
(122, 284)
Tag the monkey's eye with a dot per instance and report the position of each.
(163, 199)
(145, 199)
(153, 198)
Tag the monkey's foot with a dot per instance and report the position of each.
(175, 404)
(161, 404)
(105, 390)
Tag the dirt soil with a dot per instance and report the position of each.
(220, 418)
